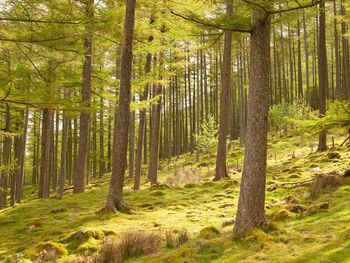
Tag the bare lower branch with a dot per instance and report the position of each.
(11, 19)
(206, 23)
(313, 3)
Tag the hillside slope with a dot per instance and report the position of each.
(302, 229)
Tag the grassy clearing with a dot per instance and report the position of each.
(75, 227)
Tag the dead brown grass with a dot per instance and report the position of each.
(132, 245)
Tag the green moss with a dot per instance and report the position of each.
(303, 233)
(209, 233)
(58, 248)
(314, 209)
(282, 215)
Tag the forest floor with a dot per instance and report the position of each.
(305, 229)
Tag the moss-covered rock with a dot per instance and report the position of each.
(296, 208)
(83, 235)
(209, 233)
(53, 248)
(282, 215)
(314, 209)
(333, 155)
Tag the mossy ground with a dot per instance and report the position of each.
(322, 235)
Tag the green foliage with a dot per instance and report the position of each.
(285, 116)
(300, 116)
(338, 114)
(206, 140)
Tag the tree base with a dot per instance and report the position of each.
(122, 208)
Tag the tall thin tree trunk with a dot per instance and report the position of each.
(80, 173)
(63, 168)
(102, 164)
(221, 170)
(44, 187)
(122, 116)
(322, 73)
(155, 134)
(6, 158)
(142, 124)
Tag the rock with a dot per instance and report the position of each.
(296, 208)
(346, 173)
(333, 155)
(209, 233)
(58, 210)
(73, 215)
(314, 209)
(84, 234)
(282, 215)
(324, 180)
(291, 199)
(195, 219)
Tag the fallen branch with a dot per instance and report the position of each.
(344, 141)
(300, 183)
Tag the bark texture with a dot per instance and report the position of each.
(80, 173)
(322, 74)
(251, 205)
(122, 116)
(221, 170)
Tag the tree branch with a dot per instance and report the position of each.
(266, 11)
(46, 21)
(205, 23)
(34, 40)
(313, 3)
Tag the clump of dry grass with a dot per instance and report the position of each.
(181, 178)
(174, 240)
(132, 245)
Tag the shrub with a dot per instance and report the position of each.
(132, 245)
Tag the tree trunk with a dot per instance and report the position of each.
(6, 158)
(346, 63)
(221, 170)
(132, 145)
(102, 164)
(63, 168)
(251, 205)
(80, 173)
(44, 187)
(21, 161)
(322, 74)
(155, 135)
(122, 116)
(142, 122)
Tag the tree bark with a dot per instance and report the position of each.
(6, 158)
(155, 135)
(322, 74)
(80, 173)
(44, 187)
(251, 205)
(142, 122)
(221, 170)
(102, 164)
(122, 117)
(63, 168)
